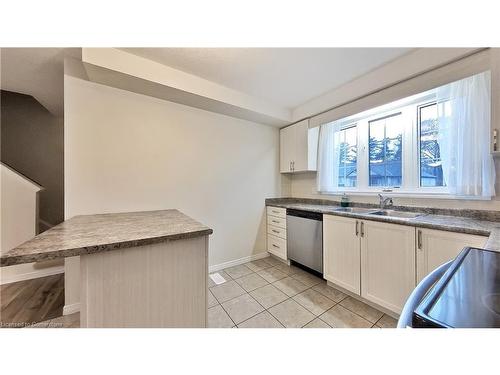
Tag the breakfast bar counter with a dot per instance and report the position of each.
(138, 269)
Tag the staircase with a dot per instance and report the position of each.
(19, 222)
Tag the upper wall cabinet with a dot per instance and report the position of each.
(298, 148)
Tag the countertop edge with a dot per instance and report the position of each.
(66, 253)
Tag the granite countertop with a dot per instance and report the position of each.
(90, 234)
(473, 223)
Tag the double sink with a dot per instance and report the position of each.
(375, 212)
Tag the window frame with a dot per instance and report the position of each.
(411, 168)
(392, 114)
(432, 189)
(346, 126)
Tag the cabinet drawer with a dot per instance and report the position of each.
(276, 246)
(276, 211)
(276, 221)
(276, 231)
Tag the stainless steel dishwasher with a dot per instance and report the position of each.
(305, 238)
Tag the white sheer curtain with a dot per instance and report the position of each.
(464, 136)
(328, 157)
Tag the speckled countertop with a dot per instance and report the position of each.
(485, 223)
(90, 234)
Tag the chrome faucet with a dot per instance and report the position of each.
(385, 202)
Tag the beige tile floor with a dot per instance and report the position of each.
(268, 293)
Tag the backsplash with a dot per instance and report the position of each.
(488, 215)
(303, 185)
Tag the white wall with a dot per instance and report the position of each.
(128, 152)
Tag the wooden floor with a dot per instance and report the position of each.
(32, 301)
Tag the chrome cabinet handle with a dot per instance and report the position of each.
(419, 239)
(290, 168)
(362, 229)
(357, 228)
(275, 231)
(275, 221)
(276, 246)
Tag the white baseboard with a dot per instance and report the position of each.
(236, 262)
(7, 279)
(71, 309)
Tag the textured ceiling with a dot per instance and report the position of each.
(286, 77)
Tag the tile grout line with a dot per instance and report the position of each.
(236, 325)
(345, 307)
(229, 316)
(297, 303)
(275, 316)
(263, 311)
(311, 288)
(374, 324)
(289, 297)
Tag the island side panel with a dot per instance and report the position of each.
(160, 285)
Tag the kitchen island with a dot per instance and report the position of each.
(138, 269)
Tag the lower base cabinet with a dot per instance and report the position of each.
(383, 262)
(276, 246)
(276, 231)
(387, 263)
(341, 252)
(435, 247)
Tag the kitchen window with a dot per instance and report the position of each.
(432, 144)
(348, 158)
(385, 149)
(431, 170)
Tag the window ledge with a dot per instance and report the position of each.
(404, 194)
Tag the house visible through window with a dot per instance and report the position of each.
(385, 151)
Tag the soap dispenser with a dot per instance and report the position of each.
(344, 201)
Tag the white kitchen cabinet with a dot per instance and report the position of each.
(387, 263)
(341, 252)
(435, 247)
(298, 148)
(276, 246)
(383, 262)
(287, 148)
(276, 231)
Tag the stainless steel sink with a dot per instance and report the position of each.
(355, 210)
(399, 214)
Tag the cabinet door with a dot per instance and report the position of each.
(435, 247)
(341, 252)
(387, 263)
(287, 148)
(301, 155)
